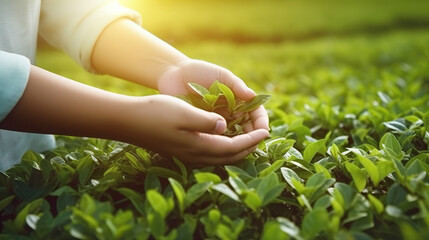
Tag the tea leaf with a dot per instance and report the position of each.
(251, 105)
(253, 200)
(195, 192)
(358, 175)
(370, 168)
(229, 95)
(289, 227)
(239, 186)
(203, 177)
(272, 230)
(135, 198)
(180, 193)
(314, 222)
(224, 189)
(158, 203)
(292, 179)
(4, 202)
(312, 149)
(274, 167)
(202, 91)
(164, 172)
(214, 88)
(378, 206)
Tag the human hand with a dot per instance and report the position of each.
(175, 81)
(173, 127)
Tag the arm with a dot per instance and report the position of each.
(128, 51)
(54, 104)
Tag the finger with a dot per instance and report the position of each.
(238, 87)
(222, 146)
(259, 118)
(197, 120)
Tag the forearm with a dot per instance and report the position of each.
(128, 51)
(54, 104)
(165, 124)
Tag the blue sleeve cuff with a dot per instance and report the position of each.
(14, 73)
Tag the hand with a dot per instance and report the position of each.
(175, 79)
(171, 126)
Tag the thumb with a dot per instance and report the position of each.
(202, 121)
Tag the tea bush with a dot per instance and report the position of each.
(347, 157)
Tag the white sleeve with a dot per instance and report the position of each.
(75, 25)
(14, 73)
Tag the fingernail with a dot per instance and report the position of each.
(220, 126)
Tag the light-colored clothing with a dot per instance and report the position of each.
(70, 25)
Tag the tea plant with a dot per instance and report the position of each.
(348, 157)
(235, 111)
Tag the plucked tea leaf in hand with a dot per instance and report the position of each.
(229, 95)
(202, 91)
(257, 101)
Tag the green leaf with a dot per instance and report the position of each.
(164, 172)
(321, 169)
(183, 170)
(229, 95)
(280, 147)
(266, 184)
(202, 91)
(257, 101)
(157, 224)
(180, 193)
(274, 167)
(272, 194)
(396, 195)
(358, 176)
(152, 182)
(292, 179)
(384, 168)
(253, 200)
(289, 227)
(4, 202)
(84, 169)
(236, 171)
(214, 89)
(384, 97)
(203, 177)
(370, 168)
(272, 230)
(158, 203)
(391, 145)
(34, 207)
(334, 151)
(135, 162)
(187, 228)
(314, 222)
(224, 189)
(293, 152)
(344, 194)
(378, 206)
(239, 186)
(395, 125)
(195, 192)
(312, 149)
(426, 121)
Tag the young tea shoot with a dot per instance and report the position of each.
(220, 98)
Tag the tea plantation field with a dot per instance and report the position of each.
(347, 158)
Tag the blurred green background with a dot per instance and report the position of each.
(279, 46)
